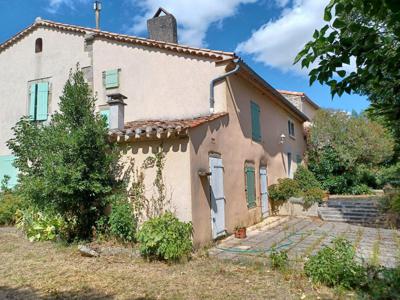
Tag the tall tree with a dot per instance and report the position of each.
(67, 165)
(362, 36)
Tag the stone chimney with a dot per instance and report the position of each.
(163, 27)
(117, 111)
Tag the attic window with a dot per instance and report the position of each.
(38, 45)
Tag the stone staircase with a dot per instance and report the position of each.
(355, 210)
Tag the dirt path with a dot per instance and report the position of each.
(51, 271)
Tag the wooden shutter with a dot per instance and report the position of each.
(42, 101)
(7, 168)
(32, 102)
(255, 122)
(111, 79)
(250, 186)
(106, 115)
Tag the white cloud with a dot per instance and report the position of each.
(194, 17)
(54, 5)
(282, 3)
(277, 42)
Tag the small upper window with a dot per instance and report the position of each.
(291, 128)
(39, 45)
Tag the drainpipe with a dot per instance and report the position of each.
(220, 78)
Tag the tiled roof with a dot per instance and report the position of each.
(163, 128)
(301, 94)
(291, 93)
(212, 54)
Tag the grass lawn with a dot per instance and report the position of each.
(51, 271)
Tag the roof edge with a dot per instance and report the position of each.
(275, 92)
(189, 50)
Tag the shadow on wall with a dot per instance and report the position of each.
(153, 147)
(201, 132)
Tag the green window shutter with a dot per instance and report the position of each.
(42, 101)
(250, 187)
(255, 122)
(106, 115)
(32, 102)
(7, 169)
(111, 79)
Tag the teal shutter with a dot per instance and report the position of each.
(255, 122)
(7, 169)
(250, 187)
(42, 101)
(32, 102)
(111, 79)
(106, 115)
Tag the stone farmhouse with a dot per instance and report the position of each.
(225, 133)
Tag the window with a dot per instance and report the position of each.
(289, 165)
(39, 101)
(299, 159)
(7, 169)
(106, 115)
(250, 186)
(291, 128)
(111, 79)
(39, 45)
(255, 122)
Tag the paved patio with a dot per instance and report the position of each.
(302, 237)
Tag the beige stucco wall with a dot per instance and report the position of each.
(20, 65)
(309, 110)
(176, 172)
(230, 137)
(159, 84)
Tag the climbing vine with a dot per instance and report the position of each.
(144, 207)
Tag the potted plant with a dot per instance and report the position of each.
(240, 232)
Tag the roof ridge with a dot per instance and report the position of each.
(128, 38)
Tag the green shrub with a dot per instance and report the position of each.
(9, 204)
(306, 179)
(44, 226)
(279, 259)
(313, 195)
(285, 189)
(389, 175)
(335, 266)
(165, 238)
(122, 222)
(382, 283)
(360, 189)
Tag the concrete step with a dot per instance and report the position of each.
(362, 209)
(350, 204)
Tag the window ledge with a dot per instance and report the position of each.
(292, 137)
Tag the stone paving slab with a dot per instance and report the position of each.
(302, 237)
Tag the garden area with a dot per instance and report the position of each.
(73, 227)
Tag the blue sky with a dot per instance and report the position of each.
(267, 34)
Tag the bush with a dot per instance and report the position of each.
(313, 195)
(335, 266)
(44, 226)
(306, 179)
(285, 189)
(389, 175)
(122, 222)
(360, 189)
(165, 238)
(279, 259)
(9, 204)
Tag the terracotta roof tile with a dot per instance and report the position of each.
(172, 124)
(212, 54)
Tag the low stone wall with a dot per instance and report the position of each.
(294, 207)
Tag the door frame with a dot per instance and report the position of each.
(265, 213)
(216, 235)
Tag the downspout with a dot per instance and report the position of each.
(220, 78)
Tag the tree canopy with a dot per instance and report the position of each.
(341, 147)
(358, 50)
(68, 164)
